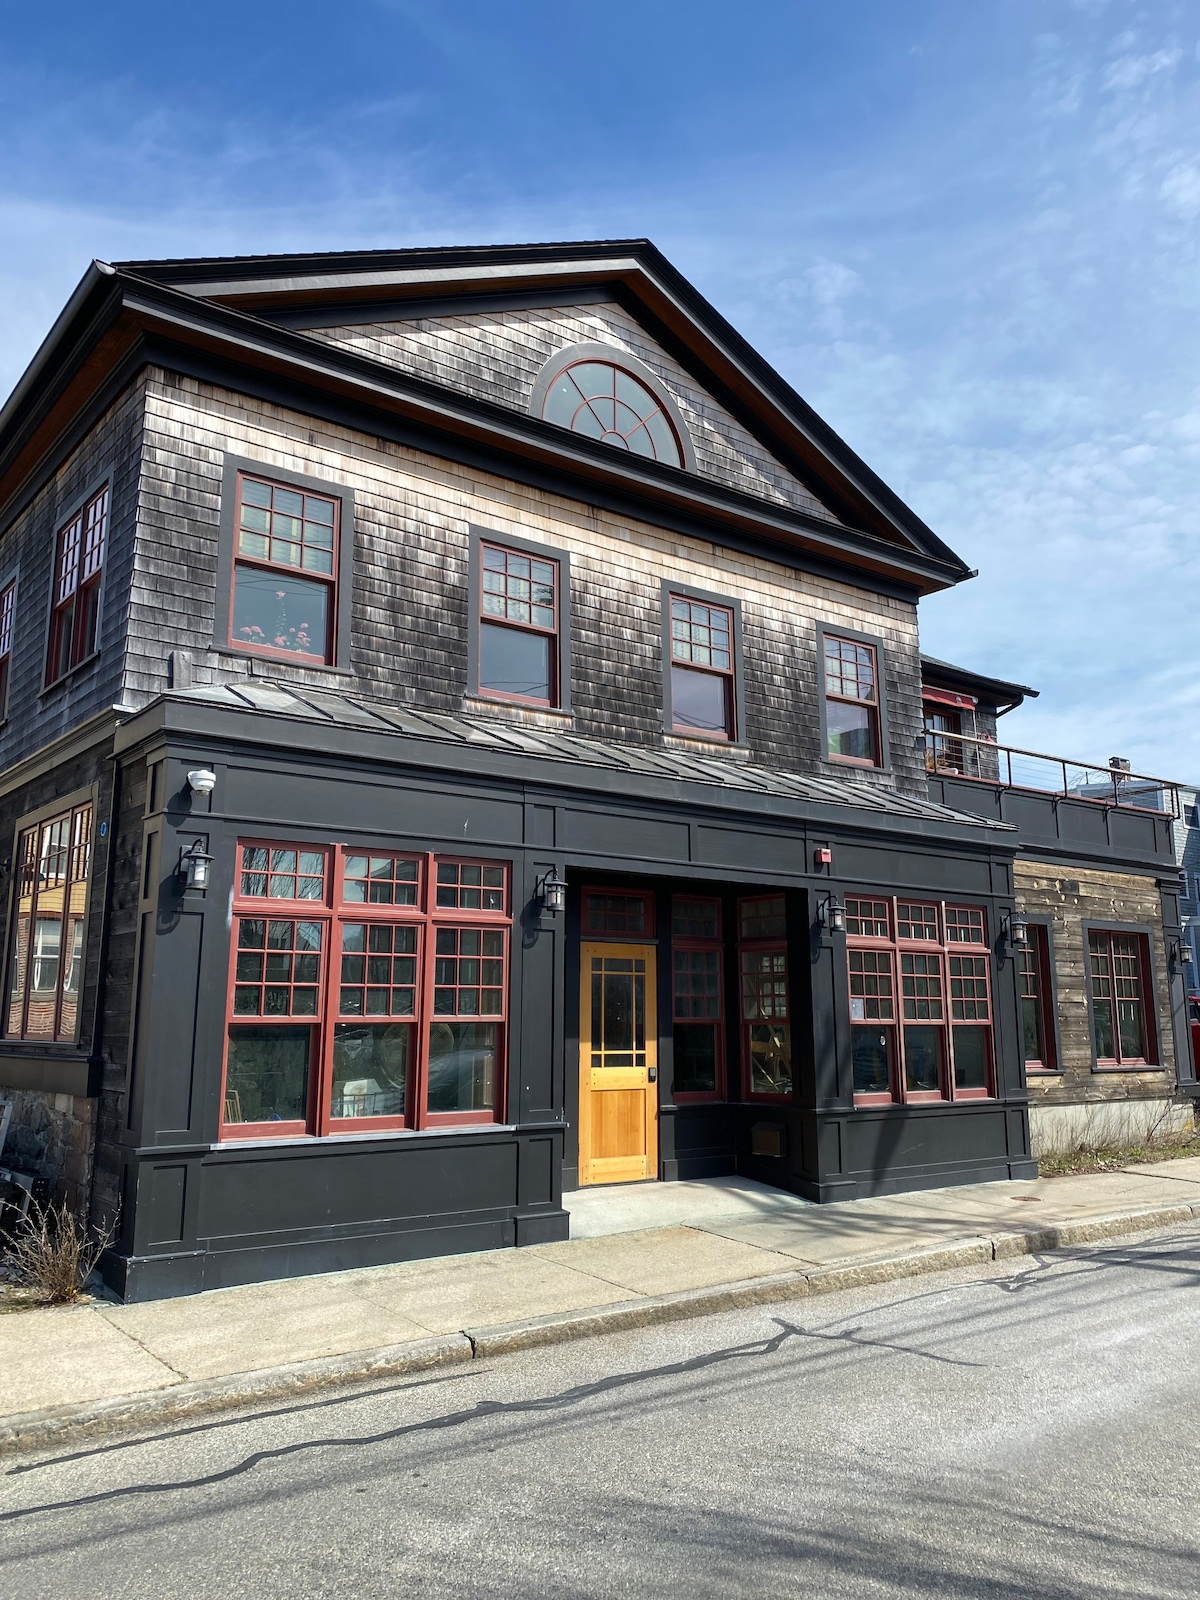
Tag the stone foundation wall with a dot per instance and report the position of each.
(54, 1136)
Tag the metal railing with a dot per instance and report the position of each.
(963, 755)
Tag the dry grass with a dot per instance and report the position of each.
(50, 1255)
(1089, 1157)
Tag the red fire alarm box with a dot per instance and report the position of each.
(823, 856)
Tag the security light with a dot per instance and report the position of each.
(202, 780)
(194, 865)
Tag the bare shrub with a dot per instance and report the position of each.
(53, 1252)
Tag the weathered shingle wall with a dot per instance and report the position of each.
(411, 590)
(111, 452)
(498, 355)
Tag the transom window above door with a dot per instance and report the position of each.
(612, 397)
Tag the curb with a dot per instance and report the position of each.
(34, 1430)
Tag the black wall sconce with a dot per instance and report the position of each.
(195, 865)
(1180, 953)
(1014, 930)
(831, 913)
(551, 892)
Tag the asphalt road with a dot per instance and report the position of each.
(1029, 1430)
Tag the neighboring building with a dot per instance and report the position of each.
(362, 611)
(1103, 972)
(1186, 836)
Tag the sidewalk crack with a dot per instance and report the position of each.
(142, 1345)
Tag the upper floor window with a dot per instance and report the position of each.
(702, 669)
(852, 701)
(518, 626)
(8, 606)
(45, 958)
(284, 571)
(75, 604)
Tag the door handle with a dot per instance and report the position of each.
(652, 1075)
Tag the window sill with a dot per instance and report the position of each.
(698, 744)
(72, 672)
(1127, 1066)
(275, 662)
(521, 710)
(293, 1141)
(849, 764)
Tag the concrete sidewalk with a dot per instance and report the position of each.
(639, 1254)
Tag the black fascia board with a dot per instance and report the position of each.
(170, 717)
(648, 257)
(994, 691)
(588, 457)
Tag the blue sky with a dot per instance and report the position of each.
(968, 233)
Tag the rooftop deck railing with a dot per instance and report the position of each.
(963, 755)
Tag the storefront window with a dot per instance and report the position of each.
(400, 961)
(698, 984)
(45, 960)
(763, 982)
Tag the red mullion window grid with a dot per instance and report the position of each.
(8, 602)
(1136, 987)
(612, 907)
(966, 940)
(919, 925)
(265, 564)
(686, 942)
(248, 907)
(883, 944)
(870, 701)
(1036, 982)
(75, 600)
(708, 641)
(770, 944)
(462, 917)
(376, 913)
(495, 620)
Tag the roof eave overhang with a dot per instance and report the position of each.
(108, 324)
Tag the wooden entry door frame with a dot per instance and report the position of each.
(618, 1062)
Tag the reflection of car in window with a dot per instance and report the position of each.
(462, 1065)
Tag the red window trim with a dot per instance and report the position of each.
(1039, 944)
(80, 820)
(684, 941)
(658, 408)
(602, 935)
(334, 912)
(873, 705)
(263, 564)
(768, 944)
(944, 950)
(729, 674)
(75, 588)
(1150, 1062)
(554, 701)
(8, 606)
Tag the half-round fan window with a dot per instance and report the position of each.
(603, 401)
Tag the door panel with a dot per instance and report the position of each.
(618, 1063)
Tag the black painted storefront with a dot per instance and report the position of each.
(197, 1213)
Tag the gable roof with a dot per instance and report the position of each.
(241, 320)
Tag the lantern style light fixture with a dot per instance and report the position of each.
(1015, 931)
(551, 892)
(831, 913)
(195, 865)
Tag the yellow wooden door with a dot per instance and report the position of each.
(618, 1064)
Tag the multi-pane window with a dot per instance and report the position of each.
(702, 669)
(697, 988)
(611, 911)
(46, 940)
(603, 401)
(518, 626)
(370, 993)
(1036, 988)
(943, 750)
(75, 602)
(284, 571)
(1122, 1024)
(8, 606)
(852, 701)
(920, 1004)
(763, 988)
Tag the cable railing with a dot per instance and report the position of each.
(964, 755)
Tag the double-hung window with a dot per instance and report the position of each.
(920, 1001)
(698, 996)
(8, 607)
(519, 626)
(852, 701)
(285, 571)
(369, 990)
(46, 941)
(763, 983)
(703, 688)
(75, 602)
(1122, 1015)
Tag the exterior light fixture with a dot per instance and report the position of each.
(195, 865)
(831, 913)
(551, 892)
(202, 781)
(1180, 953)
(1015, 930)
